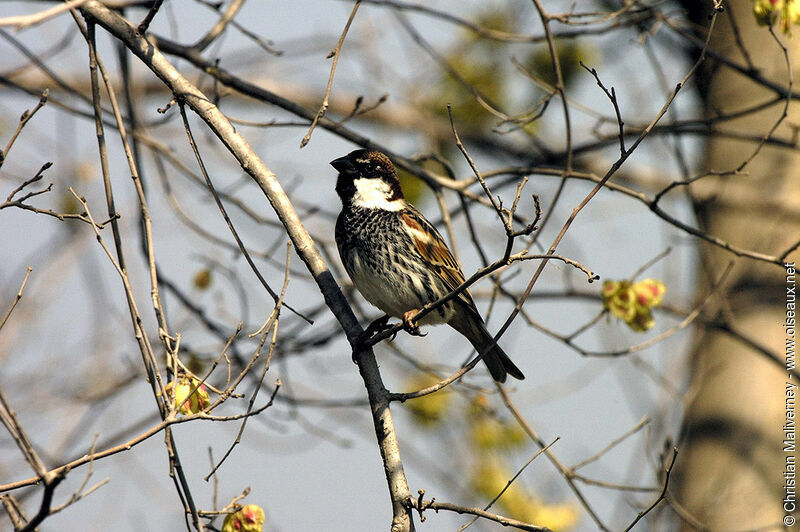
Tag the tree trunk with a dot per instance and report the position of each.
(729, 474)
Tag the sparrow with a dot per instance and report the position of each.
(398, 260)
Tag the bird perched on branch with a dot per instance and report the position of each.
(399, 261)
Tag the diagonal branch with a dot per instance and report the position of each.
(304, 244)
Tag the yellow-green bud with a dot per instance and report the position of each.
(249, 518)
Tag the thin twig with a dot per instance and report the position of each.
(335, 54)
(563, 469)
(9, 420)
(142, 28)
(460, 145)
(26, 116)
(481, 273)
(170, 347)
(479, 512)
(127, 445)
(82, 492)
(20, 22)
(667, 471)
(273, 320)
(17, 298)
(611, 171)
(224, 213)
(639, 426)
(146, 349)
(612, 96)
(511, 481)
(216, 30)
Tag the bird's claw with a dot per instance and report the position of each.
(410, 325)
(381, 324)
(372, 329)
(378, 325)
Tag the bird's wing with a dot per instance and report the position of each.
(434, 251)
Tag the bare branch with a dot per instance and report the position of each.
(662, 495)
(183, 90)
(335, 54)
(21, 22)
(17, 298)
(511, 481)
(23, 120)
(505, 521)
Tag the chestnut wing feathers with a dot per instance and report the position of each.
(435, 253)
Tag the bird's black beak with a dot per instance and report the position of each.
(344, 165)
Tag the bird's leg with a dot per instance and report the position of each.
(372, 329)
(410, 324)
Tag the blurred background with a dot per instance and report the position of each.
(693, 225)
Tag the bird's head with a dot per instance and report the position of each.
(367, 179)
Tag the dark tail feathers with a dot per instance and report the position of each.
(500, 365)
(498, 362)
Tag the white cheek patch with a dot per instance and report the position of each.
(375, 194)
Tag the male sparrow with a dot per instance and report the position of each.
(398, 260)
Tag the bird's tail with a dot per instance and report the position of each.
(498, 362)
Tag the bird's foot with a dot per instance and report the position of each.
(372, 329)
(410, 324)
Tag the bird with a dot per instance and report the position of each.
(398, 260)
